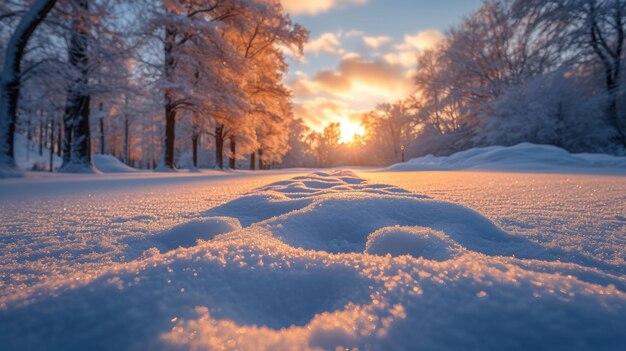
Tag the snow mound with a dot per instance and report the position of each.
(415, 241)
(187, 234)
(110, 164)
(521, 157)
(328, 261)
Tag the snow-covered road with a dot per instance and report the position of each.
(366, 259)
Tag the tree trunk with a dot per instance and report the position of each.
(219, 146)
(59, 138)
(81, 146)
(10, 79)
(100, 108)
(232, 164)
(77, 146)
(194, 144)
(44, 134)
(261, 162)
(253, 161)
(610, 56)
(67, 137)
(29, 135)
(170, 108)
(40, 134)
(51, 145)
(126, 140)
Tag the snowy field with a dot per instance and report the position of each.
(362, 259)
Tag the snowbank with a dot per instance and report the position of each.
(27, 158)
(328, 261)
(110, 164)
(521, 157)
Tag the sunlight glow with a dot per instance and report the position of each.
(348, 131)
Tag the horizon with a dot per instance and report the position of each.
(353, 61)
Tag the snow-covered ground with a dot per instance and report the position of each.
(367, 259)
(522, 157)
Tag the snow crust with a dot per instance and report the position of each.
(521, 157)
(413, 241)
(328, 261)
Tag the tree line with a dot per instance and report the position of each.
(146, 81)
(540, 71)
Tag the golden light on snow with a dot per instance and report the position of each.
(349, 130)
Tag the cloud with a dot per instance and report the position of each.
(381, 71)
(319, 112)
(327, 42)
(376, 42)
(422, 40)
(314, 7)
(357, 81)
(350, 55)
(354, 33)
(406, 52)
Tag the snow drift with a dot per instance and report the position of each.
(110, 164)
(328, 261)
(521, 157)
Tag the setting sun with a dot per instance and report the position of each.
(349, 130)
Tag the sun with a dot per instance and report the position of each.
(349, 130)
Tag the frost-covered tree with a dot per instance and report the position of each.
(260, 41)
(390, 129)
(299, 153)
(324, 144)
(557, 109)
(597, 32)
(10, 79)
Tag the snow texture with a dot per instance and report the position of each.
(325, 261)
(521, 157)
(413, 241)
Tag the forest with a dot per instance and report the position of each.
(174, 84)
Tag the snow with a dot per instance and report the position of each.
(327, 260)
(110, 164)
(27, 156)
(413, 241)
(188, 234)
(521, 157)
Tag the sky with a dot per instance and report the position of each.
(361, 53)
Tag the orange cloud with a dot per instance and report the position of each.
(360, 80)
(314, 7)
(356, 79)
(327, 42)
(407, 51)
(376, 42)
